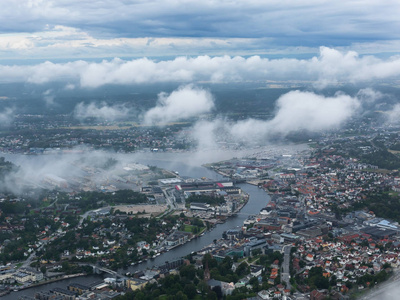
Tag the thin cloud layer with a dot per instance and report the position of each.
(7, 116)
(103, 28)
(48, 97)
(100, 111)
(184, 103)
(331, 67)
(393, 116)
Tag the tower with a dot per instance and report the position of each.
(207, 272)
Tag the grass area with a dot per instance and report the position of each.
(394, 151)
(17, 266)
(383, 171)
(188, 228)
(312, 145)
(163, 215)
(109, 127)
(44, 204)
(125, 125)
(253, 259)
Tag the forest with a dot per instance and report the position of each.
(92, 200)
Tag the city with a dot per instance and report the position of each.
(189, 150)
(316, 237)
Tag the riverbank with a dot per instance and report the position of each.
(42, 283)
(254, 203)
(257, 200)
(53, 280)
(220, 220)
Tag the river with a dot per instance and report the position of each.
(190, 168)
(85, 280)
(258, 200)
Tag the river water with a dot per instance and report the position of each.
(258, 200)
(187, 167)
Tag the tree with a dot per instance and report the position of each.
(202, 287)
(256, 252)
(43, 269)
(218, 291)
(180, 296)
(188, 271)
(190, 290)
(212, 262)
(242, 269)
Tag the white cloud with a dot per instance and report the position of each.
(69, 87)
(107, 23)
(393, 116)
(100, 111)
(329, 68)
(7, 116)
(183, 103)
(62, 41)
(48, 97)
(369, 95)
(295, 111)
(308, 111)
(206, 133)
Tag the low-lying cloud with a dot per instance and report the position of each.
(48, 97)
(331, 67)
(295, 111)
(393, 116)
(100, 111)
(183, 103)
(298, 110)
(7, 116)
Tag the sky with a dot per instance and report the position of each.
(90, 43)
(92, 29)
(86, 44)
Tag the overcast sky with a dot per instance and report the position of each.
(73, 29)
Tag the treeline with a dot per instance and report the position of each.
(382, 204)
(12, 207)
(383, 159)
(93, 200)
(7, 170)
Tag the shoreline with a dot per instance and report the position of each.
(233, 214)
(64, 277)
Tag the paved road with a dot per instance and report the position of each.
(31, 257)
(285, 274)
(85, 215)
(103, 269)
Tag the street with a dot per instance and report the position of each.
(285, 274)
